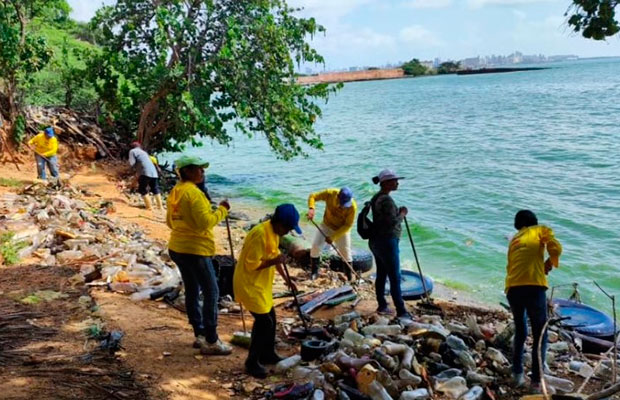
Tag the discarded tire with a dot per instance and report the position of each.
(362, 261)
(313, 349)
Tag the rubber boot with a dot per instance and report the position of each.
(147, 202)
(158, 201)
(347, 272)
(314, 268)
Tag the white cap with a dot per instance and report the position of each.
(388, 175)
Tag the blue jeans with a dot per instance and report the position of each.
(199, 276)
(530, 300)
(52, 164)
(387, 258)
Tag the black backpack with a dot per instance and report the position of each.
(365, 226)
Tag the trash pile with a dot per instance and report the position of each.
(57, 227)
(463, 357)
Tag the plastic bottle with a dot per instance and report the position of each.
(142, 295)
(409, 378)
(475, 393)
(287, 363)
(447, 374)
(123, 287)
(476, 378)
(583, 369)
(353, 337)
(346, 317)
(466, 359)
(456, 343)
(418, 394)
(563, 385)
(453, 387)
(495, 355)
(376, 391)
(386, 361)
(384, 329)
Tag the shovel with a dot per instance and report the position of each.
(244, 338)
(426, 304)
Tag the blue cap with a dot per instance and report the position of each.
(287, 215)
(345, 196)
(49, 131)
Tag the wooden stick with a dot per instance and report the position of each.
(232, 255)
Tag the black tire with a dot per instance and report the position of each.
(362, 261)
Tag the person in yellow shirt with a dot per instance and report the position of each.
(191, 247)
(253, 280)
(340, 212)
(526, 284)
(45, 149)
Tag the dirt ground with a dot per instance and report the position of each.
(157, 352)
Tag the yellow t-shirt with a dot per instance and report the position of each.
(252, 287)
(526, 252)
(338, 218)
(192, 220)
(44, 146)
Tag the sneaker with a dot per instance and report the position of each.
(385, 311)
(405, 315)
(216, 349)
(518, 380)
(199, 342)
(256, 370)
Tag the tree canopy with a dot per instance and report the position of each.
(449, 67)
(22, 52)
(182, 70)
(595, 19)
(414, 68)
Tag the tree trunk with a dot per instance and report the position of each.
(147, 117)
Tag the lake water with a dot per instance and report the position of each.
(474, 150)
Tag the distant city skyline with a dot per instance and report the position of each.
(376, 32)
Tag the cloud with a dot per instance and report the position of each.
(85, 10)
(328, 10)
(427, 3)
(482, 3)
(419, 35)
(519, 14)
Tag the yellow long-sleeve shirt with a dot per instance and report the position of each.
(338, 218)
(526, 252)
(192, 220)
(252, 287)
(44, 146)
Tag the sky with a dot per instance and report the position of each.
(378, 32)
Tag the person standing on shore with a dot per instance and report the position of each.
(340, 212)
(526, 286)
(253, 281)
(45, 149)
(148, 178)
(191, 247)
(384, 242)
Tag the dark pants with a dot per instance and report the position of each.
(263, 337)
(387, 258)
(199, 276)
(145, 183)
(530, 300)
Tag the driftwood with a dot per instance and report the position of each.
(72, 127)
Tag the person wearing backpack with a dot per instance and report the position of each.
(384, 237)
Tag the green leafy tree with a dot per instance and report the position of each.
(595, 19)
(449, 67)
(414, 68)
(173, 71)
(22, 52)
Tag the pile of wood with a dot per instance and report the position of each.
(73, 128)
